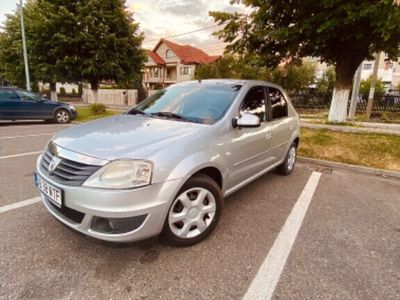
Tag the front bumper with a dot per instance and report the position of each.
(83, 207)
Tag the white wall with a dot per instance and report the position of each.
(112, 96)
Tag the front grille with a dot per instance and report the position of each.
(67, 172)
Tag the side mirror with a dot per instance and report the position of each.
(246, 120)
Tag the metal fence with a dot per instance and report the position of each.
(382, 102)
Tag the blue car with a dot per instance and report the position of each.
(19, 104)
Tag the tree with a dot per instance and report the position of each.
(365, 86)
(94, 40)
(74, 41)
(11, 55)
(341, 33)
(294, 76)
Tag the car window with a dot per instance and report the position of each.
(25, 95)
(8, 95)
(279, 106)
(199, 102)
(254, 102)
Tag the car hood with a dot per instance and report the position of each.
(124, 136)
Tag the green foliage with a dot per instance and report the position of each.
(341, 33)
(158, 86)
(327, 83)
(366, 84)
(98, 109)
(293, 76)
(73, 41)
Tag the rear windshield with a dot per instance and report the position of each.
(198, 102)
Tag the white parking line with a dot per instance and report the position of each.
(20, 154)
(264, 284)
(24, 136)
(19, 204)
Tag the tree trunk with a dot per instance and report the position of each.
(355, 93)
(372, 86)
(94, 85)
(345, 70)
(53, 91)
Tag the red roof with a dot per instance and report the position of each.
(186, 53)
(157, 59)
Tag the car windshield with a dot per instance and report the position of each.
(204, 103)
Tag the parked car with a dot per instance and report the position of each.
(166, 165)
(19, 104)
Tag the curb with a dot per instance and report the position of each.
(351, 129)
(343, 166)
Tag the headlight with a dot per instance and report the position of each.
(122, 174)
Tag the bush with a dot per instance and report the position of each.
(98, 109)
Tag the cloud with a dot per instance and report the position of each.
(165, 18)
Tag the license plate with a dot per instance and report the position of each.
(53, 193)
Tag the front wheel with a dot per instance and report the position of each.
(194, 213)
(288, 164)
(62, 116)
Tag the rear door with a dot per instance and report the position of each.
(250, 146)
(10, 105)
(281, 124)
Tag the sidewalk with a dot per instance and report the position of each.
(359, 127)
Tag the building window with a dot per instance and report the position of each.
(367, 66)
(155, 72)
(168, 53)
(186, 71)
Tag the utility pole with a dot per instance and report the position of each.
(21, 15)
(354, 94)
(373, 84)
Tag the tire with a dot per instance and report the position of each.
(188, 222)
(290, 160)
(62, 116)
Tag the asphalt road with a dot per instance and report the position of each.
(348, 245)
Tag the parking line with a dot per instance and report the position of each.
(267, 277)
(21, 154)
(24, 136)
(19, 204)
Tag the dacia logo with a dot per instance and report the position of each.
(55, 161)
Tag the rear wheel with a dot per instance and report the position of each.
(290, 160)
(194, 213)
(62, 116)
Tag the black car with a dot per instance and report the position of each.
(19, 104)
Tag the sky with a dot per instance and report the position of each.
(166, 18)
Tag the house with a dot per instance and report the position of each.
(388, 71)
(169, 63)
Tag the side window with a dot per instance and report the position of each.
(27, 95)
(254, 102)
(8, 95)
(279, 106)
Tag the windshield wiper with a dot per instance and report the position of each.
(136, 111)
(172, 115)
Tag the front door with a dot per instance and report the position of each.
(250, 146)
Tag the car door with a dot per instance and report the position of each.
(249, 147)
(10, 105)
(281, 124)
(33, 106)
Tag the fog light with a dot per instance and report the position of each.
(117, 225)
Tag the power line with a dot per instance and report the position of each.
(184, 33)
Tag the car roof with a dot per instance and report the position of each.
(232, 81)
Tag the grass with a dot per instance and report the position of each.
(85, 114)
(366, 149)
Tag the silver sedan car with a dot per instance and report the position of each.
(165, 166)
